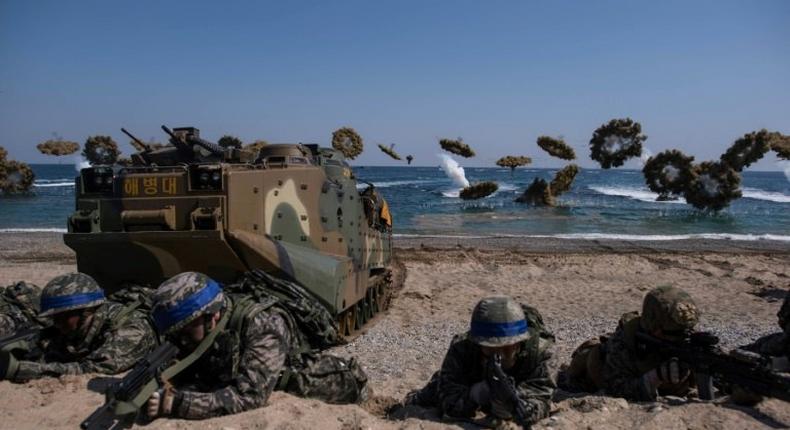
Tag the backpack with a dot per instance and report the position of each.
(308, 373)
(311, 317)
(133, 297)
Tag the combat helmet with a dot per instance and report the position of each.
(784, 314)
(69, 292)
(498, 321)
(183, 298)
(24, 293)
(670, 309)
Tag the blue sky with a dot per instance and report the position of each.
(697, 75)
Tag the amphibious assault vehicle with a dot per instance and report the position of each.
(293, 210)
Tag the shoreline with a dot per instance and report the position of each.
(45, 246)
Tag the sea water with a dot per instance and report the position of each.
(424, 201)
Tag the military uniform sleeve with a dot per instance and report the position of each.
(122, 348)
(7, 324)
(620, 375)
(771, 345)
(535, 385)
(454, 383)
(265, 345)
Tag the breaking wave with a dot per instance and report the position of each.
(757, 194)
(53, 184)
(33, 230)
(386, 184)
(627, 237)
(646, 195)
(640, 194)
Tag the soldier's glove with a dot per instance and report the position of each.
(501, 409)
(480, 393)
(160, 403)
(672, 371)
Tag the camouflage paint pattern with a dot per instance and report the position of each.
(108, 345)
(464, 365)
(623, 368)
(19, 307)
(498, 309)
(669, 308)
(180, 287)
(292, 210)
(68, 285)
(776, 344)
(240, 370)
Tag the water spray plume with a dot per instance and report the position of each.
(646, 154)
(454, 171)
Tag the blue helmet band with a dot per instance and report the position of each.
(166, 317)
(60, 302)
(504, 329)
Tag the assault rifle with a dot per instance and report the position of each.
(13, 347)
(125, 398)
(191, 136)
(702, 355)
(502, 386)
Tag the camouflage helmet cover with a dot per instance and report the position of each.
(498, 321)
(25, 293)
(183, 298)
(69, 292)
(670, 309)
(784, 314)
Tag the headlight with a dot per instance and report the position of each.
(97, 180)
(205, 177)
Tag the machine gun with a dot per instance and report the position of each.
(503, 387)
(137, 143)
(702, 355)
(13, 347)
(188, 136)
(125, 398)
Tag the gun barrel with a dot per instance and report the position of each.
(140, 145)
(99, 416)
(24, 334)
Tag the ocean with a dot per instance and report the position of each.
(424, 201)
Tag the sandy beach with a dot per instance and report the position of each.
(580, 286)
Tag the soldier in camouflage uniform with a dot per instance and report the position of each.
(19, 307)
(499, 326)
(243, 363)
(774, 346)
(620, 369)
(778, 344)
(89, 334)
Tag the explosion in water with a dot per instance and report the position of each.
(709, 185)
(616, 141)
(646, 154)
(81, 163)
(785, 166)
(454, 171)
